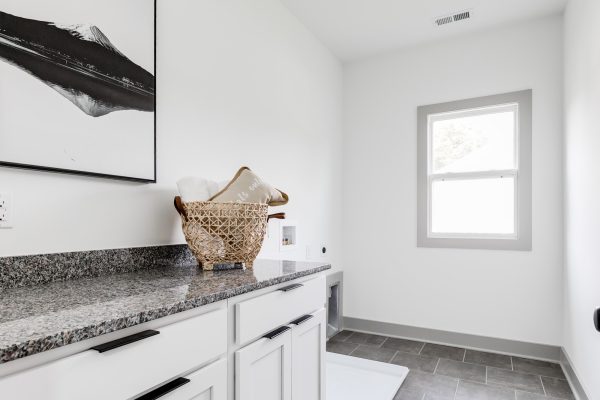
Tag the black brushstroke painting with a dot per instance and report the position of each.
(79, 62)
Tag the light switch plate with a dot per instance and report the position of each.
(6, 210)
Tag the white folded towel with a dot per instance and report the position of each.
(192, 188)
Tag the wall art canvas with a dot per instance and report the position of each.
(78, 87)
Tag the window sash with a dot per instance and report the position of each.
(467, 176)
(493, 109)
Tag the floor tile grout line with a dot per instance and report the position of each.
(436, 365)
(393, 356)
(505, 385)
(549, 377)
(357, 346)
(469, 363)
(382, 343)
(456, 389)
(512, 365)
(348, 337)
(543, 388)
(422, 347)
(530, 374)
(464, 355)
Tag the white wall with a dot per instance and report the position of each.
(239, 83)
(582, 190)
(504, 294)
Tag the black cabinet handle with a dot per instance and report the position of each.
(277, 332)
(164, 389)
(302, 319)
(291, 287)
(124, 341)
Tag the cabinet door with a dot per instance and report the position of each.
(208, 383)
(308, 357)
(263, 369)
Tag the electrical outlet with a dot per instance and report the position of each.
(6, 210)
(323, 251)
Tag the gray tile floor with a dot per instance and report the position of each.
(450, 373)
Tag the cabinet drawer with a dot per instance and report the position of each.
(208, 383)
(126, 371)
(261, 314)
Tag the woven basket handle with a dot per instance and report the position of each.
(280, 215)
(179, 206)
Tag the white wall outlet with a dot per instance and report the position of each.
(6, 210)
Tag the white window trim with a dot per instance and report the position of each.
(520, 102)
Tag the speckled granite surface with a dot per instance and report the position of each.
(44, 268)
(34, 319)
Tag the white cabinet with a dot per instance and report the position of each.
(209, 383)
(308, 357)
(288, 363)
(263, 369)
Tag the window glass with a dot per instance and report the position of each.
(468, 143)
(473, 206)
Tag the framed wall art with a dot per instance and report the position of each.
(78, 87)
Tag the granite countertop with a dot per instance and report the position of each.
(37, 318)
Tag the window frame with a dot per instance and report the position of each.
(427, 115)
(471, 175)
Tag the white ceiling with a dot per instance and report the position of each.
(358, 28)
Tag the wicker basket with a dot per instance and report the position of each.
(223, 233)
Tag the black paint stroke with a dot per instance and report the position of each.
(79, 62)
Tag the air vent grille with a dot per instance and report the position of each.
(461, 16)
(455, 17)
(444, 20)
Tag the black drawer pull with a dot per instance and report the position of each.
(302, 320)
(124, 341)
(277, 332)
(164, 389)
(291, 287)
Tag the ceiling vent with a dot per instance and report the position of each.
(452, 18)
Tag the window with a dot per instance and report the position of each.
(474, 173)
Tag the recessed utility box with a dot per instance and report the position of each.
(288, 235)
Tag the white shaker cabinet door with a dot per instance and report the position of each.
(308, 357)
(263, 369)
(209, 383)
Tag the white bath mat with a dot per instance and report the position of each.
(352, 378)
